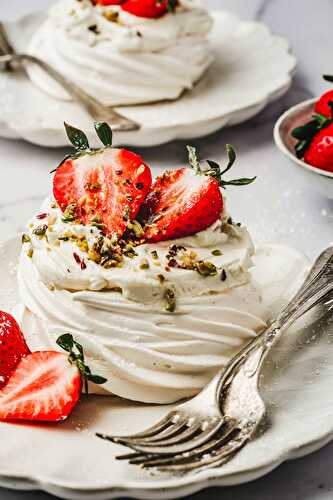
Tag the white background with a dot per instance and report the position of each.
(281, 207)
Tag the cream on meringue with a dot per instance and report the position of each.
(121, 58)
(146, 353)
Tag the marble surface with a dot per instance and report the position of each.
(280, 207)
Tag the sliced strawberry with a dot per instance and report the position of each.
(44, 387)
(320, 151)
(322, 105)
(12, 346)
(105, 187)
(181, 203)
(146, 8)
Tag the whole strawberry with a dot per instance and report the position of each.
(149, 8)
(322, 106)
(188, 200)
(320, 152)
(12, 346)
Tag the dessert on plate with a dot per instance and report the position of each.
(124, 52)
(150, 277)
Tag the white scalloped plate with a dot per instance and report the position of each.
(70, 462)
(252, 68)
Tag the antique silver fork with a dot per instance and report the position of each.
(11, 60)
(211, 428)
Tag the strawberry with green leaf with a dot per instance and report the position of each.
(188, 200)
(105, 186)
(315, 138)
(47, 385)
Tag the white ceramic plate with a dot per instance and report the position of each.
(70, 462)
(252, 68)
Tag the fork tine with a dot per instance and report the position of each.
(188, 433)
(151, 431)
(169, 432)
(214, 459)
(148, 462)
(181, 446)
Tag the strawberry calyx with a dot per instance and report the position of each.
(215, 170)
(80, 142)
(76, 357)
(328, 78)
(306, 133)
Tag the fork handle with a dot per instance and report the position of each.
(317, 286)
(94, 108)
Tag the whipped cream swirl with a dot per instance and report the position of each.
(119, 316)
(121, 58)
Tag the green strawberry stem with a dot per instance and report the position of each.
(80, 141)
(306, 133)
(215, 169)
(328, 78)
(76, 356)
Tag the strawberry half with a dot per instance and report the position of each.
(106, 186)
(320, 152)
(148, 8)
(46, 385)
(12, 347)
(186, 201)
(181, 203)
(315, 138)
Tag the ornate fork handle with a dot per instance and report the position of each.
(91, 105)
(317, 286)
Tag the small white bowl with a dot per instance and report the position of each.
(294, 117)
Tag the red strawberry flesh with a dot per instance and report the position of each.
(320, 152)
(107, 187)
(180, 204)
(146, 8)
(322, 105)
(45, 387)
(12, 346)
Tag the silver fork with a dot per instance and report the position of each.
(211, 428)
(11, 60)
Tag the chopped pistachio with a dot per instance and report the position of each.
(30, 252)
(136, 227)
(69, 214)
(25, 238)
(217, 252)
(154, 254)
(40, 231)
(170, 298)
(161, 278)
(206, 268)
(223, 275)
(144, 264)
(82, 244)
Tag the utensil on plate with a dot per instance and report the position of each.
(208, 430)
(13, 61)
